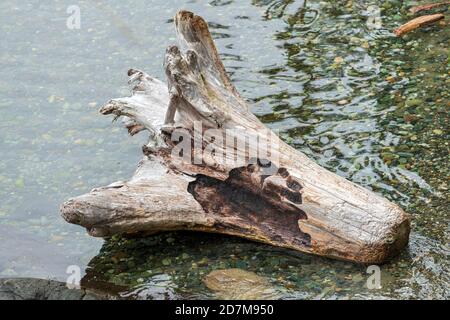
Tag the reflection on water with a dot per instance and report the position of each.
(362, 103)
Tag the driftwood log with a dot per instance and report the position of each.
(212, 166)
(428, 7)
(418, 23)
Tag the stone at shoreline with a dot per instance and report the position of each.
(41, 289)
(238, 284)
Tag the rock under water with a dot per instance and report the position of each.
(42, 289)
(238, 284)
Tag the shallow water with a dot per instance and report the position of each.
(366, 105)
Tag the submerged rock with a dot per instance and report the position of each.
(238, 284)
(41, 289)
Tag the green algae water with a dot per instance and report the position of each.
(329, 75)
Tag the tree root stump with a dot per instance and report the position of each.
(212, 166)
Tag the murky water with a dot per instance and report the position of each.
(366, 105)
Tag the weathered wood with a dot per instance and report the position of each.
(417, 23)
(428, 7)
(220, 176)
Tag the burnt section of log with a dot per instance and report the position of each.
(254, 204)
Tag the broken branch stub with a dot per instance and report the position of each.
(212, 166)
